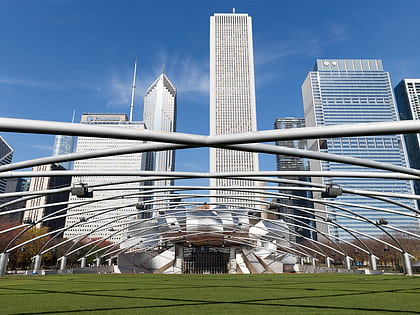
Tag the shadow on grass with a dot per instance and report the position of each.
(178, 302)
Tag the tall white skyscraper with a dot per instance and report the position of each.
(95, 215)
(160, 115)
(232, 95)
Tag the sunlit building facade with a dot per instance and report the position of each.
(101, 218)
(347, 92)
(41, 210)
(160, 115)
(232, 95)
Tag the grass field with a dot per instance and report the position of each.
(210, 294)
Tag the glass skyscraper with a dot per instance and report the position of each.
(286, 162)
(407, 94)
(232, 95)
(293, 163)
(356, 91)
(64, 145)
(6, 155)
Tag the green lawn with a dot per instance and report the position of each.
(210, 294)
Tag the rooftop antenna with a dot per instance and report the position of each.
(74, 113)
(133, 87)
(163, 68)
(233, 10)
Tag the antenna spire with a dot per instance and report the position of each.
(163, 68)
(233, 10)
(74, 113)
(133, 87)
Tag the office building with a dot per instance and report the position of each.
(300, 219)
(407, 95)
(159, 114)
(232, 97)
(64, 145)
(101, 218)
(12, 204)
(6, 156)
(48, 210)
(347, 92)
(286, 162)
(17, 184)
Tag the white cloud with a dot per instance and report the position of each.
(338, 32)
(270, 52)
(189, 75)
(302, 42)
(118, 90)
(194, 77)
(42, 147)
(23, 82)
(299, 42)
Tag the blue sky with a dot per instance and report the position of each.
(57, 56)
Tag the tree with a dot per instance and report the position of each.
(22, 257)
(388, 257)
(5, 238)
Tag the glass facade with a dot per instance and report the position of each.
(64, 145)
(293, 163)
(6, 155)
(349, 92)
(407, 95)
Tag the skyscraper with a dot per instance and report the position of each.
(285, 162)
(160, 115)
(356, 91)
(232, 95)
(300, 218)
(64, 145)
(6, 155)
(38, 208)
(109, 209)
(13, 185)
(407, 94)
